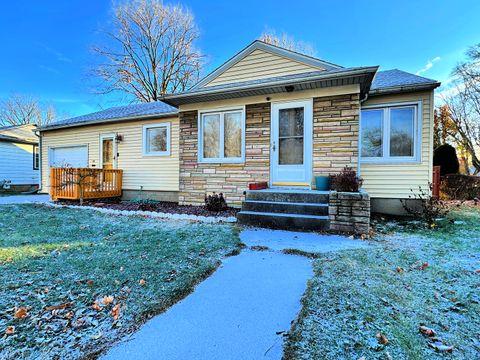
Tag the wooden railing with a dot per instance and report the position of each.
(436, 182)
(69, 183)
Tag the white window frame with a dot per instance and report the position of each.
(166, 125)
(417, 134)
(221, 112)
(36, 160)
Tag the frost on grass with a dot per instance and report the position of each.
(411, 278)
(81, 279)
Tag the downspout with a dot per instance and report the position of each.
(360, 133)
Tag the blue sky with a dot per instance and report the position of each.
(46, 44)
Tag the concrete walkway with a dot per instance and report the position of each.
(242, 310)
(24, 199)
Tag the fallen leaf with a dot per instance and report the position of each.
(107, 300)
(21, 313)
(46, 290)
(59, 307)
(477, 271)
(400, 269)
(90, 282)
(423, 266)
(440, 347)
(10, 330)
(9, 259)
(141, 282)
(116, 312)
(427, 331)
(382, 339)
(96, 306)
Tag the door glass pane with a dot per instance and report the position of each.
(290, 151)
(211, 136)
(157, 139)
(372, 133)
(291, 122)
(233, 135)
(107, 153)
(290, 140)
(401, 131)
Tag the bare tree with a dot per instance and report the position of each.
(71, 178)
(287, 42)
(153, 51)
(22, 109)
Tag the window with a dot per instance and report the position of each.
(221, 136)
(156, 140)
(390, 134)
(36, 157)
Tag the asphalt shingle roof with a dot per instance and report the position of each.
(119, 112)
(22, 133)
(395, 78)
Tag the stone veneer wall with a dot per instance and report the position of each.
(335, 133)
(232, 179)
(349, 212)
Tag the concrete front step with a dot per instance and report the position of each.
(295, 196)
(284, 221)
(285, 207)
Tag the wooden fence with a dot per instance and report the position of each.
(68, 183)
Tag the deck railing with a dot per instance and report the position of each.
(69, 183)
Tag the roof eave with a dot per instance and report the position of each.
(99, 122)
(180, 99)
(403, 89)
(17, 140)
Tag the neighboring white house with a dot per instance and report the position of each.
(19, 158)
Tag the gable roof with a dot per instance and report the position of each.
(397, 81)
(149, 110)
(260, 45)
(20, 134)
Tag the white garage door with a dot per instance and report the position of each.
(72, 156)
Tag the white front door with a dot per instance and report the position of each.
(291, 143)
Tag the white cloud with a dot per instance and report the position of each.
(428, 65)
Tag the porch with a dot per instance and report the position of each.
(85, 183)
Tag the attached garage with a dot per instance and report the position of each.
(71, 156)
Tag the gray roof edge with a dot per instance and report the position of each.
(327, 75)
(12, 139)
(113, 120)
(257, 44)
(404, 88)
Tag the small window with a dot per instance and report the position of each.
(221, 136)
(390, 134)
(36, 158)
(156, 140)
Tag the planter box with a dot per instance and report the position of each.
(258, 186)
(322, 183)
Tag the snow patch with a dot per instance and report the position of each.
(153, 214)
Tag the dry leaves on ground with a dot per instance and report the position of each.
(10, 330)
(382, 339)
(116, 312)
(21, 313)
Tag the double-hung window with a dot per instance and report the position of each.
(156, 139)
(36, 158)
(222, 136)
(390, 133)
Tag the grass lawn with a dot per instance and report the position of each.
(409, 278)
(56, 263)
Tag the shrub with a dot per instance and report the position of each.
(445, 156)
(427, 208)
(460, 187)
(215, 202)
(346, 181)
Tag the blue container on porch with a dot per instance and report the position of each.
(322, 183)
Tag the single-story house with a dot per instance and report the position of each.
(19, 158)
(266, 115)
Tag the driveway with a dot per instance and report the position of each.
(242, 311)
(24, 199)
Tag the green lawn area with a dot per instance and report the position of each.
(407, 279)
(56, 263)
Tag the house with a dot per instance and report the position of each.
(267, 114)
(19, 158)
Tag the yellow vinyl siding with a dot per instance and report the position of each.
(261, 65)
(156, 173)
(396, 180)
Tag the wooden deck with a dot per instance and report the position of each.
(68, 183)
